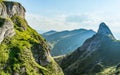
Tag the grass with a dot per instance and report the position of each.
(17, 53)
(16, 50)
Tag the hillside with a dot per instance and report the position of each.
(22, 50)
(65, 42)
(99, 55)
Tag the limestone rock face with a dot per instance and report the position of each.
(9, 9)
(6, 30)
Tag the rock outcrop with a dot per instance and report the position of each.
(103, 29)
(9, 9)
(6, 28)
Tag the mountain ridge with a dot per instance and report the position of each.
(95, 56)
(49, 32)
(66, 41)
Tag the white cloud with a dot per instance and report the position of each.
(73, 21)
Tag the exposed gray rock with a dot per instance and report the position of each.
(9, 9)
(45, 59)
(7, 29)
(3, 12)
(42, 58)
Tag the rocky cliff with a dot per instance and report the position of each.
(22, 50)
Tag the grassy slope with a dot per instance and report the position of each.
(16, 52)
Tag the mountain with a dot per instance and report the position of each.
(49, 33)
(22, 50)
(65, 42)
(99, 55)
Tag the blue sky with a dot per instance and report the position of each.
(45, 15)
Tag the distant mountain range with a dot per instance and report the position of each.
(49, 33)
(99, 55)
(65, 42)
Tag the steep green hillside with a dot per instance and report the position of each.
(23, 51)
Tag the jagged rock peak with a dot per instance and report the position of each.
(104, 29)
(9, 9)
